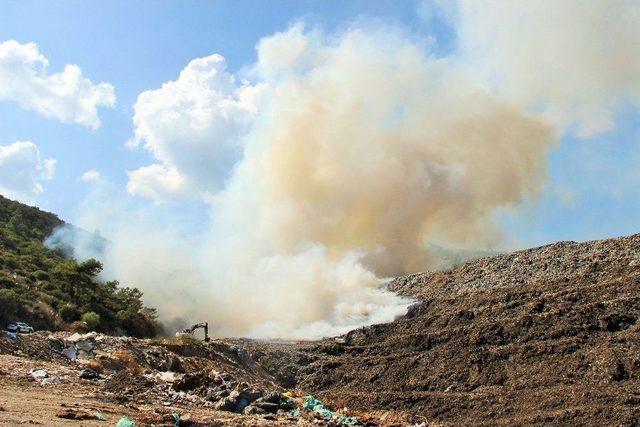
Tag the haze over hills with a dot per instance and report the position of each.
(538, 336)
(52, 290)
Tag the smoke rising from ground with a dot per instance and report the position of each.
(356, 151)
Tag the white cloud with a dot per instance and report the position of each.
(67, 96)
(576, 61)
(22, 171)
(157, 182)
(191, 126)
(90, 175)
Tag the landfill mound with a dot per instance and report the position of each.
(542, 336)
(545, 335)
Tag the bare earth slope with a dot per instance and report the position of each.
(542, 336)
(546, 335)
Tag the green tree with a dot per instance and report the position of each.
(69, 312)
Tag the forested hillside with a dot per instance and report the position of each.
(51, 290)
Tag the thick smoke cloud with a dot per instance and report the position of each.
(360, 151)
(370, 144)
(575, 61)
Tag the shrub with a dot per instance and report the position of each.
(10, 303)
(92, 319)
(10, 261)
(6, 282)
(69, 312)
(42, 275)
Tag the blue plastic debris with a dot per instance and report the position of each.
(11, 335)
(125, 422)
(242, 354)
(243, 403)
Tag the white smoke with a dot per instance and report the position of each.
(575, 61)
(360, 150)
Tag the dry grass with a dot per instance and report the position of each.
(126, 360)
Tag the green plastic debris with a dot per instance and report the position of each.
(125, 422)
(99, 416)
(316, 406)
(176, 419)
(349, 421)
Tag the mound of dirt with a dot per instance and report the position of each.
(545, 335)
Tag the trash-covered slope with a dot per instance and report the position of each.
(537, 336)
(214, 383)
(543, 336)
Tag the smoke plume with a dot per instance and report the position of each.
(349, 154)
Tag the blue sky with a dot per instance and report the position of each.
(136, 46)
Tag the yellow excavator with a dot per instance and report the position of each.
(192, 329)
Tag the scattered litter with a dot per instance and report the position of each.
(10, 335)
(237, 349)
(75, 414)
(125, 422)
(89, 374)
(78, 337)
(70, 353)
(148, 376)
(315, 405)
(50, 381)
(168, 377)
(39, 374)
(84, 345)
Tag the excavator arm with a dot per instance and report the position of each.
(192, 329)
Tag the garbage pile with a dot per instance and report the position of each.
(315, 406)
(81, 346)
(221, 376)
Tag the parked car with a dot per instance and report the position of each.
(20, 327)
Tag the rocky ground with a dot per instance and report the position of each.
(85, 377)
(542, 336)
